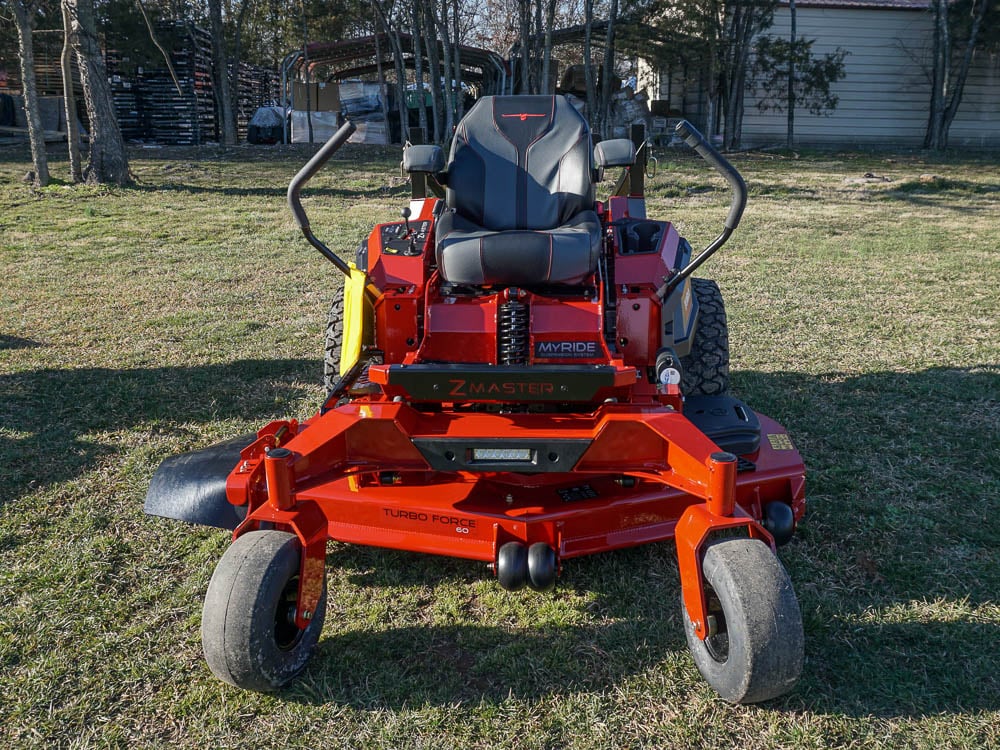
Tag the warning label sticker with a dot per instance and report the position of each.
(780, 442)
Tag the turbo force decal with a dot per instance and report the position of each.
(458, 523)
(566, 350)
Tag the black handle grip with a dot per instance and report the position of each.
(706, 151)
(307, 172)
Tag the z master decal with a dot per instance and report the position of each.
(467, 388)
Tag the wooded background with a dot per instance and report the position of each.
(232, 46)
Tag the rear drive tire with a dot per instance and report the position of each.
(331, 348)
(248, 630)
(757, 650)
(705, 370)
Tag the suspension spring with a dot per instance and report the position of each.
(512, 333)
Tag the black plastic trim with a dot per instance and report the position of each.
(726, 421)
(469, 382)
(451, 454)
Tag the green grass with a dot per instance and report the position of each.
(138, 323)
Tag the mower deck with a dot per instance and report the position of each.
(384, 493)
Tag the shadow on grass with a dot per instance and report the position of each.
(930, 193)
(893, 561)
(16, 342)
(55, 415)
(893, 565)
(944, 185)
(449, 665)
(277, 191)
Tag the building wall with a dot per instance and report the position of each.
(977, 122)
(885, 94)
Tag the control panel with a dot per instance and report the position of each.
(396, 240)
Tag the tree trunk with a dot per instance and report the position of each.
(383, 93)
(791, 77)
(418, 65)
(224, 102)
(963, 71)
(69, 99)
(524, 19)
(550, 19)
(457, 65)
(24, 14)
(449, 77)
(537, 87)
(397, 61)
(234, 89)
(305, 66)
(588, 73)
(434, 68)
(744, 22)
(608, 70)
(155, 40)
(946, 95)
(939, 76)
(107, 161)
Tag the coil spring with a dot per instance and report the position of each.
(512, 333)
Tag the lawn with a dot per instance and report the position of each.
(139, 323)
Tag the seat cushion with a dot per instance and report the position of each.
(469, 254)
(521, 162)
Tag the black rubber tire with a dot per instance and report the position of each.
(331, 347)
(542, 568)
(246, 633)
(705, 370)
(512, 566)
(758, 650)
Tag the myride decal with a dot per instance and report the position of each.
(566, 350)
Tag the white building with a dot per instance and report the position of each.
(885, 94)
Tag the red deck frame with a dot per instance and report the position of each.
(354, 475)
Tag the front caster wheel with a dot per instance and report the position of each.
(755, 650)
(512, 566)
(248, 630)
(542, 568)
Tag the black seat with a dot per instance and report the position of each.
(520, 196)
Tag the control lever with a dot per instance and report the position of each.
(410, 235)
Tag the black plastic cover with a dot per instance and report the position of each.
(192, 486)
(476, 382)
(459, 454)
(727, 421)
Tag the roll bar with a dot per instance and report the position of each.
(303, 176)
(736, 205)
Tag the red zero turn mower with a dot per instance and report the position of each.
(520, 375)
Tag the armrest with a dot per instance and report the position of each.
(617, 152)
(423, 159)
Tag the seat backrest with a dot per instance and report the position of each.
(521, 162)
